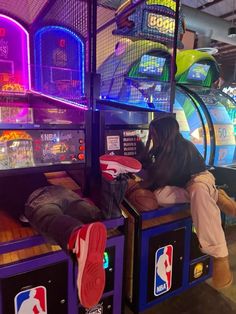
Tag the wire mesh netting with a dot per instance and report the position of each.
(134, 50)
(49, 53)
(61, 50)
(133, 56)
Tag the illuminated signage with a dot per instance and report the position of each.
(163, 270)
(59, 59)
(151, 19)
(169, 4)
(163, 24)
(14, 55)
(31, 300)
(4, 48)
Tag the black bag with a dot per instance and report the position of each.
(112, 194)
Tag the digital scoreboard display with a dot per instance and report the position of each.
(160, 23)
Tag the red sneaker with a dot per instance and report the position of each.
(113, 165)
(89, 246)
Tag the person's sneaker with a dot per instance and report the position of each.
(113, 165)
(226, 204)
(88, 243)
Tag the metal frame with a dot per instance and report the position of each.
(90, 130)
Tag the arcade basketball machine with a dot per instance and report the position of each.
(136, 86)
(45, 127)
(209, 113)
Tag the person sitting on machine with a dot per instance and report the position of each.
(176, 173)
(70, 221)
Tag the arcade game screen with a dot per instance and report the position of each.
(198, 72)
(151, 65)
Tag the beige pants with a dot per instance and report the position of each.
(202, 194)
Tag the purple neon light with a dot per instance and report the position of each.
(25, 50)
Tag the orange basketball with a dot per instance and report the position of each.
(143, 200)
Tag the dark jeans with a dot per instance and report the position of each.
(55, 212)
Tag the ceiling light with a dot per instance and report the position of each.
(232, 31)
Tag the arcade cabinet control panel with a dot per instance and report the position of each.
(32, 148)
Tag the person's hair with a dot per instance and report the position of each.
(162, 134)
(162, 140)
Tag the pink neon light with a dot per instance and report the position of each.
(27, 78)
(70, 103)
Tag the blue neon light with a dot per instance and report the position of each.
(46, 50)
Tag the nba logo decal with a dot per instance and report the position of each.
(32, 301)
(163, 270)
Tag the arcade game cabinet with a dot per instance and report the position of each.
(37, 135)
(135, 88)
(209, 112)
(44, 129)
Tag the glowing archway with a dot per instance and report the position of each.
(14, 56)
(59, 62)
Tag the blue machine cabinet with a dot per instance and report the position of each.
(163, 256)
(53, 271)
